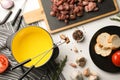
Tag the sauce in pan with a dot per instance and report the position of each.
(29, 42)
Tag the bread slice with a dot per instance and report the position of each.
(115, 41)
(102, 51)
(102, 40)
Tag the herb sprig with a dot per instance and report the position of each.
(116, 19)
(59, 69)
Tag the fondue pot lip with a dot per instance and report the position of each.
(32, 26)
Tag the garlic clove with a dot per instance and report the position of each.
(86, 72)
(76, 75)
(93, 77)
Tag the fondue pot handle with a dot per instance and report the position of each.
(24, 62)
(21, 77)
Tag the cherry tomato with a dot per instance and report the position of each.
(3, 63)
(116, 58)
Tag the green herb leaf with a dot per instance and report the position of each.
(60, 68)
(118, 15)
(115, 19)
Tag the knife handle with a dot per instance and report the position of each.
(22, 63)
(6, 18)
(21, 77)
(19, 23)
(16, 17)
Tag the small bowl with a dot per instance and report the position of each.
(78, 35)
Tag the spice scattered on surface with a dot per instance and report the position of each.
(78, 35)
(67, 40)
(75, 49)
(80, 50)
(63, 37)
(73, 65)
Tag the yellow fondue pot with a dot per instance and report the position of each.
(29, 42)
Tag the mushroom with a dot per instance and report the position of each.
(81, 61)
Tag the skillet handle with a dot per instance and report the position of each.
(21, 77)
(24, 62)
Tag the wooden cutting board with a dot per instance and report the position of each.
(108, 7)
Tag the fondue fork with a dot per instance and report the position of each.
(33, 66)
(28, 60)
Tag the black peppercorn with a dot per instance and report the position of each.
(78, 35)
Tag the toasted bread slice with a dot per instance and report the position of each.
(115, 41)
(102, 51)
(102, 40)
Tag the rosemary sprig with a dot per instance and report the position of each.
(116, 19)
(60, 68)
(118, 15)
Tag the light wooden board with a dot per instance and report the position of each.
(54, 25)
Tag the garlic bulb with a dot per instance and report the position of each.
(93, 77)
(7, 4)
(76, 75)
